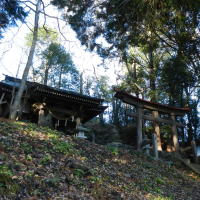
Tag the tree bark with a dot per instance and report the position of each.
(157, 131)
(60, 77)
(152, 75)
(155, 146)
(189, 116)
(81, 83)
(16, 104)
(174, 133)
(135, 77)
(46, 75)
(139, 127)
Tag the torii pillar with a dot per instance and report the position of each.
(174, 133)
(139, 126)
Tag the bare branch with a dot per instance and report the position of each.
(29, 7)
(163, 40)
(11, 42)
(24, 2)
(28, 27)
(58, 23)
(43, 8)
(95, 74)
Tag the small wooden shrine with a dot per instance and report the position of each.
(155, 109)
(49, 106)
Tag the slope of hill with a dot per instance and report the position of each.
(39, 163)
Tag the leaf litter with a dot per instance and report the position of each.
(40, 163)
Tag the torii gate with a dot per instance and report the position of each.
(156, 109)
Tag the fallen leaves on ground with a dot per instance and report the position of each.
(40, 163)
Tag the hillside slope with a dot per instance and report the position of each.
(39, 163)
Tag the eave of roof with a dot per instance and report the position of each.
(5, 87)
(36, 87)
(121, 94)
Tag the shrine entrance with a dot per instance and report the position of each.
(156, 109)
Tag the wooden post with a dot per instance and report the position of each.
(174, 133)
(155, 146)
(1, 110)
(78, 122)
(139, 127)
(194, 148)
(41, 117)
(1, 99)
(157, 130)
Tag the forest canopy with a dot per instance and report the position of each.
(10, 12)
(157, 41)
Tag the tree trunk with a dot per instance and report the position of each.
(101, 119)
(157, 130)
(116, 104)
(16, 104)
(153, 97)
(190, 130)
(135, 78)
(189, 117)
(174, 133)
(155, 146)
(60, 77)
(139, 127)
(152, 75)
(46, 75)
(81, 83)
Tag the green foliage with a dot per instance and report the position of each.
(46, 159)
(7, 185)
(62, 147)
(29, 157)
(114, 150)
(46, 35)
(30, 173)
(4, 170)
(58, 67)
(175, 77)
(93, 171)
(10, 12)
(96, 179)
(162, 198)
(53, 181)
(26, 147)
(179, 82)
(133, 23)
(147, 188)
(102, 88)
(160, 181)
(79, 173)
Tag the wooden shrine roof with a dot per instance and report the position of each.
(47, 90)
(133, 100)
(56, 97)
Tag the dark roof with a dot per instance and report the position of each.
(121, 94)
(36, 87)
(56, 97)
